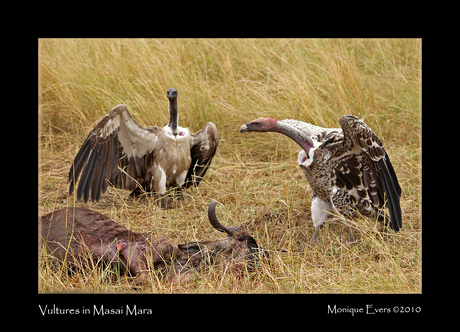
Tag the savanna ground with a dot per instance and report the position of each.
(254, 177)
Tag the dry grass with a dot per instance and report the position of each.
(254, 176)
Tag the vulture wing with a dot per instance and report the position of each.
(204, 146)
(368, 171)
(117, 142)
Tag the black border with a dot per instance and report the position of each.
(253, 308)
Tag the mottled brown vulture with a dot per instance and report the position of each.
(348, 169)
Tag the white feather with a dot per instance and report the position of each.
(320, 211)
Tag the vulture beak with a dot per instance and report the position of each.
(244, 127)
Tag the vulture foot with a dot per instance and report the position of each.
(139, 192)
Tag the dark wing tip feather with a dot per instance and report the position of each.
(392, 175)
(392, 192)
(201, 157)
(388, 189)
(79, 162)
(87, 176)
(98, 158)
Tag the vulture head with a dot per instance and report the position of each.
(260, 125)
(172, 94)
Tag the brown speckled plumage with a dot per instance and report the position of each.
(348, 169)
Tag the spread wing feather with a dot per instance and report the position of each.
(392, 191)
(204, 146)
(366, 166)
(116, 141)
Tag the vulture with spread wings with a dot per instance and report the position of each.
(127, 155)
(348, 169)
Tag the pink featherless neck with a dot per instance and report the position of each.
(298, 136)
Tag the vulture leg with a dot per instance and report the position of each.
(350, 234)
(159, 185)
(180, 196)
(180, 180)
(315, 235)
(313, 238)
(164, 205)
(163, 202)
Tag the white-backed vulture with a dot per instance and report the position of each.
(348, 169)
(120, 151)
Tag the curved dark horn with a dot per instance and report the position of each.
(213, 219)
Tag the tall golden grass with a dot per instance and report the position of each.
(254, 177)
